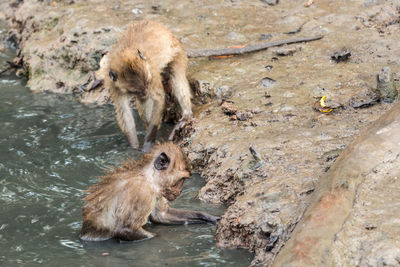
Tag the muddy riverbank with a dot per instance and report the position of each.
(273, 96)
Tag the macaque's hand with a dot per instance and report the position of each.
(147, 147)
(133, 143)
(212, 219)
(184, 126)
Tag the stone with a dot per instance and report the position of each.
(267, 82)
(341, 55)
(364, 99)
(386, 86)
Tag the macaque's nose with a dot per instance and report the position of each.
(149, 78)
(185, 174)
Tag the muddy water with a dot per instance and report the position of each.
(52, 148)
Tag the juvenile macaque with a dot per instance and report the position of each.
(121, 203)
(144, 53)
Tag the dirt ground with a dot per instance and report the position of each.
(262, 140)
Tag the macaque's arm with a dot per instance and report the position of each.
(180, 85)
(157, 108)
(125, 118)
(164, 214)
(127, 234)
(181, 90)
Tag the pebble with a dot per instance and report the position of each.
(137, 11)
(223, 92)
(265, 36)
(285, 51)
(341, 55)
(267, 82)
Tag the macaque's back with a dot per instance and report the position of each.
(153, 39)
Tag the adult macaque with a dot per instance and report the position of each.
(145, 52)
(121, 203)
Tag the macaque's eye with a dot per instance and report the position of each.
(141, 55)
(161, 162)
(113, 75)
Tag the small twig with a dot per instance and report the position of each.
(11, 65)
(246, 49)
(5, 70)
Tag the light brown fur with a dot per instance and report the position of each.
(145, 51)
(120, 204)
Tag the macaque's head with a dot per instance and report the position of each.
(170, 168)
(130, 72)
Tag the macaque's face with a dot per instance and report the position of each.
(134, 83)
(173, 172)
(174, 191)
(134, 76)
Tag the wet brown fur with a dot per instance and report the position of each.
(144, 52)
(126, 196)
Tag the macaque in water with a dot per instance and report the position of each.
(145, 53)
(123, 201)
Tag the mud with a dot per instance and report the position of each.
(62, 42)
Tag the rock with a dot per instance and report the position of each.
(364, 99)
(285, 51)
(386, 86)
(332, 104)
(268, 82)
(137, 11)
(202, 90)
(156, 7)
(362, 185)
(255, 110)
(341, 55)
(223, 92)
(268, 67)
(242, 116)
(228, 108)
(265, 36)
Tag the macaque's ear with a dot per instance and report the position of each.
(113, 75)
(162, 162)
(141, 55)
